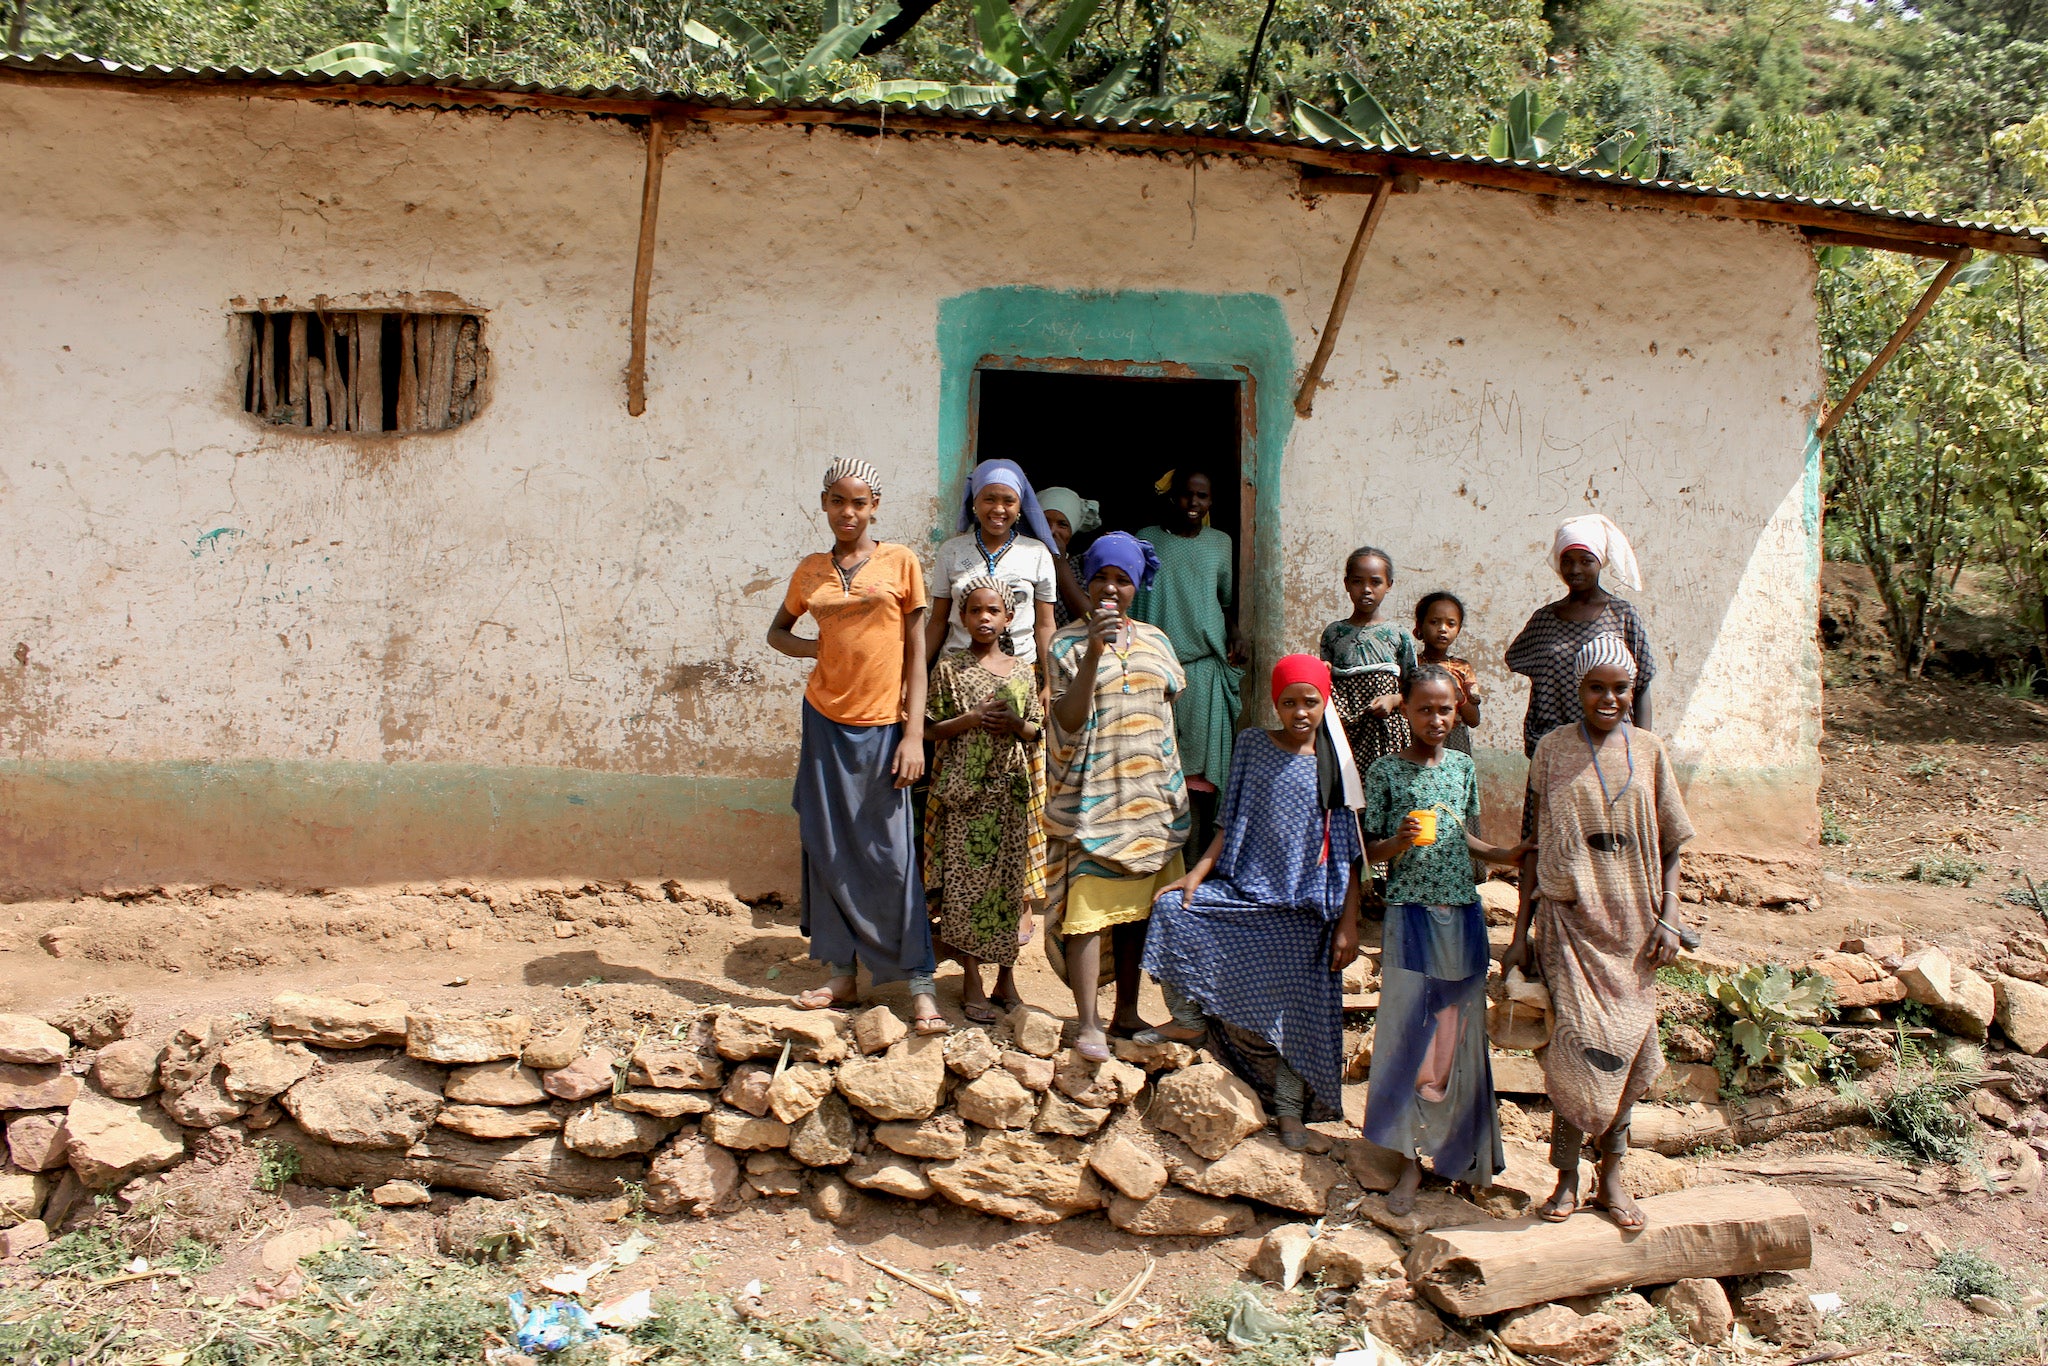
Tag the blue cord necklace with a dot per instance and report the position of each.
(1594, 750)
(982, 546)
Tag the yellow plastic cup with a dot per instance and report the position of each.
(1427, 820)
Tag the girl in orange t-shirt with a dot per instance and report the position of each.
(863, 746)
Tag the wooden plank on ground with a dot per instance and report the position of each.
(1708, 1231)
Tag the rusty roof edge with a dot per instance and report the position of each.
(1007, 122)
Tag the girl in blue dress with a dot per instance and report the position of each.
(1250, 946)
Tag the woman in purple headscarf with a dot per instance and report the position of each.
(1117, 809)
(1002, 534)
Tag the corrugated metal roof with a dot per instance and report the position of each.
(1001, 120)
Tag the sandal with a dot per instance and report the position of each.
(982, 1012)
(1551, 1212)
(1152, 1037)
(1006, 1004)
(1094, 1052)
(822, 998)
(1621, 1220)
(931, 1026)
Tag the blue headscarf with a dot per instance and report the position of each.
(1138, 560)
(1006, 473)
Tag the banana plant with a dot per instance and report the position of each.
(770, 75)
(1363, 120)
(401, 52)
(1526, 134)
(1624, 153)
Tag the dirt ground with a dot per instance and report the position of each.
(1925, 781)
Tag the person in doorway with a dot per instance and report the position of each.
(1430, 1093)
(1249, 947)
(1070, 516)
(862, 748)
(1544, 651)
(1003, 534)
(1439, 621)
(1191, 602)
(1369, 654)
(1599, 915)
(1117, 813)
(982, 828)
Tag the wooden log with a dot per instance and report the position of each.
(1675, 1132)
(643, 266)
(1706, 1232)
(1895, 1181)
(369, 373)
(408, 376)
(1891, 347)
(503, 1170)
(1347, 280)
(266, 366)
(441, 376)
(316, 394)
(245, 346)
(337, 392)
(295, 373)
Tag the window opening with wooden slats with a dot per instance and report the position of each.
(364, 372)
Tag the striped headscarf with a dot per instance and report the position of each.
(1603, 650)
(1015, 592)
(848, 467)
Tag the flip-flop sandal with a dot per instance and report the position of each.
(1152, 1037)
(1006, 1004)
(1620, 1221)
(811, 1000)
(982, 1013)
(931, 1026)
(1557, 1214)
(1094, 1052)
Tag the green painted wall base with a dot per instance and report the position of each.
(69, 827)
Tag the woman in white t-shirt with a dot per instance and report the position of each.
(1003, 534)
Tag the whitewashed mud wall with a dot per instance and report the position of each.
(533, 645)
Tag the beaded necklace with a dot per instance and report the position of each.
(992, 560)
(1594, 750)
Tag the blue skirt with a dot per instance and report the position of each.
(862, 902)
(1432, 961)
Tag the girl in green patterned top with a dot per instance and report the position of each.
(1430, 1093)
(984, 833)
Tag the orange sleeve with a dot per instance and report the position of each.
(797, 600)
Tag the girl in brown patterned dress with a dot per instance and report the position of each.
(1601, 891)
(984, 834)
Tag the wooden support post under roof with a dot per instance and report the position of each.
(1891, 348)
(643, 265)
(1305, 399)
(1825, 237)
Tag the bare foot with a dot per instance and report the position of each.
(1401, 1199)
(1093, 1045)
(1615, 1199)
(1563, 1202)
(1293, 1133)
(840, 991)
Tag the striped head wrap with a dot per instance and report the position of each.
(1006, 590)
(848, 467)
(1603, 650)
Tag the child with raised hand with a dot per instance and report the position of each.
(980, 855)
(863, 746)
(1369, 654)
(1439, 621)
(1431, 1089)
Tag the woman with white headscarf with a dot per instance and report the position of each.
(1070, 516)
(1580, 551)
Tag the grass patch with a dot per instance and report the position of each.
(1921, 1115)
(93, 1251)
(1927, 769)
(1294, 1337)
(1832, 831)
(1966, 1272)
(42, 1339)
(1895, 1316)
(1998, 1342)
(1945, 870)
(276, 1164)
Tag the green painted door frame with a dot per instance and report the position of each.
(1145, 334)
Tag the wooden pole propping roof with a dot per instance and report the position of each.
(1305, 398)
(1891, 348)
(643, 265)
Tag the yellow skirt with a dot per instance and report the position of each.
(1096, 903)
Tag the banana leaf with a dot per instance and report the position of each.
(1325, 126)
(765, 62)
(1067, 28)
(355, 59)
(1365, 113)
(1098, 99)
(1002, 33)
(841, 42)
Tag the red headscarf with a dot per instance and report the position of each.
(1301, 669)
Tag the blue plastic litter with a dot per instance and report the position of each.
(558, 1326)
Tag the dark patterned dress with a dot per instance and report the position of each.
(1368, 662)
(984, 833)
(1544, 654)
(1253, 950)
(1460, 738)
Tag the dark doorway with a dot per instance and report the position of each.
(1110, 437)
